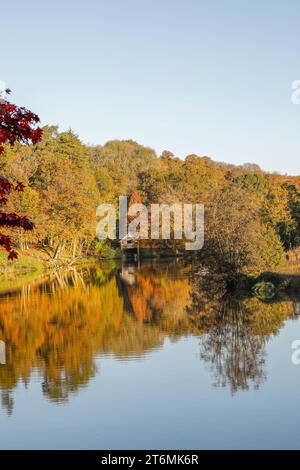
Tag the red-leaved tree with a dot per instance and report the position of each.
(16, 125)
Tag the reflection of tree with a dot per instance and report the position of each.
(161, 297)
(236, 355)
(59, 387)
(133, 339)
(7, 401)
(56, 328)
(234, 332)
(57, 325)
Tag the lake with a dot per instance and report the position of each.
(145, 357)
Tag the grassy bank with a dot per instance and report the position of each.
(14, 273)
(25, 262)
(29, 265)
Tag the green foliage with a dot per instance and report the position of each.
(237, 239)
(104, 249)
(118, 163)
(289, 230)
(252, 182)
(264, 290)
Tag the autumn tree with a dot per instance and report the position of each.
(289, 228)
(17, 124)
(66, 181)
(118, 163)
(62, 190)
(236, 238)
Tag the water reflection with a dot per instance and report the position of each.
(234, 331)
(54, 328)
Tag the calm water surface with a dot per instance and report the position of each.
(107, 357)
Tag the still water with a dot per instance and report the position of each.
(150, 357)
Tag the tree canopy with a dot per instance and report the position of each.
(255, 213)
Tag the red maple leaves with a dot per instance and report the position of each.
(17, 124)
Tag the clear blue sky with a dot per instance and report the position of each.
(208, 77)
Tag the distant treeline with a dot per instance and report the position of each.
(252, 217)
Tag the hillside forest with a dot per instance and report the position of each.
(252, 218)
